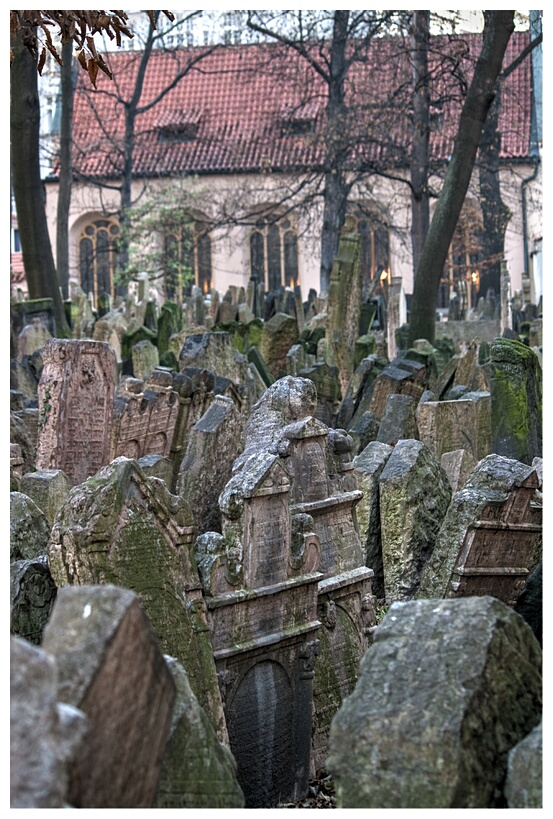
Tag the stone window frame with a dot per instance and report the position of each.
(192, 242)
(98, 256)
(274, 253)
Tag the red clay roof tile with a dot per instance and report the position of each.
(236, 97)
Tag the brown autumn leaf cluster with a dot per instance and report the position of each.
(36, 28)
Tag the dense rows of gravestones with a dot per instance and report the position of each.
(253, 542)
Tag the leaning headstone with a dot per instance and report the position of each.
(48, 488)
(402, 376)
(32, 595)
(523, 786)
(213, 351)
(414, 497)
(122, 528)
(16, 467)
(491, 537)
(157, 466)
(198, 771)
(32, 337)
(216, 438)
(368, 466)
(466, 423)
(75, 397)
(279, 334)
(457, 465)
(110, 667)
(145, 358)
(399, 420)
(516, 389)
(29, 528)
(363, 430)
(344, 304)
(445, 692)
(44, 734)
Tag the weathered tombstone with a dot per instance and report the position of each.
(122, 528)
(48, 488)
(44, 734)
(32, 337)
(169, 323)
(279, 334)
(198, 771)
(368, 466)
(457, 465)
(157, 466)
(213, 351)
(399, 420)
(216, 438)
(465, 423)
(523, 785)
(491, 538)
(32, 595)
(24, 433)
(75, 396)
(29, 528)
(326, 379)
(145, 358)
(363, 430)
(111, 668)
(394, 314)
(129, 339)
(296, 359)
(506, 318)
(445, 691)
(323, 494)
(261, 592)
(516, 389)
(16, 467)
(414, 497)
(344, 304)
(402, 376)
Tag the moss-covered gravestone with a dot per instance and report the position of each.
(124, 529)
(516, 388)
(445, 691)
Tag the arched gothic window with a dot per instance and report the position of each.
(187, 259)
(98, 257)
(274, 254)
(465, 257)
(374, 251)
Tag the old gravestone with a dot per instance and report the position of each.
(122, 528)
(216, 438)
(323, 496)
(29, 528)
(491, 538)
(516, 389)
(260, 582)
(48, 488)
(198, 771)
(344, 302)
(414, 497)
(32, 595)
(75, 398)
(466, 423)
(445, 691)
(44, 733)
(111, 668)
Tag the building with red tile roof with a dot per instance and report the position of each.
(243, 134)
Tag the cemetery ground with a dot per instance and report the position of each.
(264, 554)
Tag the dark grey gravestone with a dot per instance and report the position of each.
(444, 693)
(523, 786)
(32, 595)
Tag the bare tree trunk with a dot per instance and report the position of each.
(38, 260)
(420, 207)
(498, 28)
(66, 167)
(495, 212)
(336, 190)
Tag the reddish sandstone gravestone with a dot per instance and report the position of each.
(75, 402)
(111, 667)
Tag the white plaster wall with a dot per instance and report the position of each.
(230, 247)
